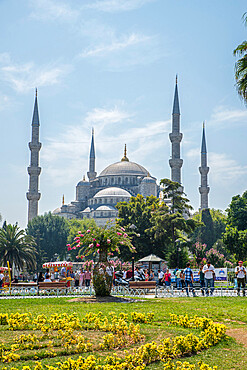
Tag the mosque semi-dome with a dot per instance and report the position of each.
(112, 192)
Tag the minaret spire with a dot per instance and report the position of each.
(175, 137)
(33, 195)
(204, 169)
(91, 173)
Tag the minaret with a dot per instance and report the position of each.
(175, 137)
(91, 173)
(33, 195)
(204, 188)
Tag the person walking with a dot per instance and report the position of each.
(240, 272)
(201, 277)
(188, 279)
(209, 273)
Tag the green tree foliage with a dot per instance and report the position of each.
(178, 256)
(241, 67)
(235, 237)
(214, 224)
(237, 212)
(50, 233)
(76, 225)
(17, 247)
(138, 212)
(173, 222)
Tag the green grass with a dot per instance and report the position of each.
(231, 311)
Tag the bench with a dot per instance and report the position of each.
(142, 284)
(53, 285)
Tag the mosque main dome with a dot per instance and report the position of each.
(124, 168)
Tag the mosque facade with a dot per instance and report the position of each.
(97, 196)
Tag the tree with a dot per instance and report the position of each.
(50, 233)
(17, 247)
(241, 66)
(235, 236)
(214, 225)
(173, 222)
(215, 258)
(178, 257)
(76, 225)
(135, 217)
(102, 242)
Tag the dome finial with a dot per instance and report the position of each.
(63, 200)
(125, 155)
(176, 79)
(84, 179)
(36, 92)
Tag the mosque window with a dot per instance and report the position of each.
(101, 214)
(112, 180)
(119, 180)
(100, 200)
(126, 180)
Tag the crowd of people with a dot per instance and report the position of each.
(80, 277)
(184, 278)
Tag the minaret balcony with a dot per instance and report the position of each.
(34, 146)
(33, 196)
(34, 171)
(204, 189)
(175, 137)
(175, 163)
(204, 170)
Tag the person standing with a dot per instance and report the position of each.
(178, 279)
(77, 278)
(167, 278)
(1, 279)
(81, 278)
(160, 277)
(209, 273)
(240, 272)
(182, 277)
(87, 278)
(188, 279)
(201, 277)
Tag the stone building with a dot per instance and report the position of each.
(97, 197)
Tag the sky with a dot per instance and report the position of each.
(111, 65)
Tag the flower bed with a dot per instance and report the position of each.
(63, 335)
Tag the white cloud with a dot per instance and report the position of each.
(114, 6)
(223, 114)
(116, 45)
(52, 10)
(223, 169)
(63, 154)
(26, 76)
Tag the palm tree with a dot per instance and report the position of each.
(241, 66)
(17, 247)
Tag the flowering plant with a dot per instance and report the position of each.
(103, 242)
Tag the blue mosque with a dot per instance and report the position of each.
(97, 196)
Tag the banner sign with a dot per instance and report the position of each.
(220, 274)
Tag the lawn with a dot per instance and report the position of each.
(227, 354)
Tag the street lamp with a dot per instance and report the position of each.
(133, 227)
(178, 250)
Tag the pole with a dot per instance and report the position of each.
(133, 268)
